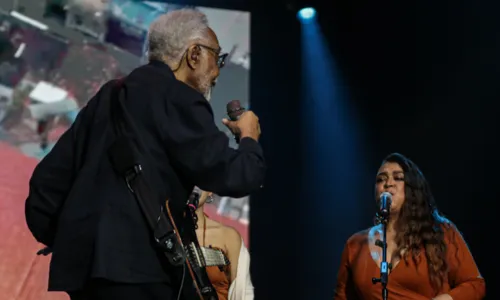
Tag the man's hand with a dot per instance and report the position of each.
(246, 126)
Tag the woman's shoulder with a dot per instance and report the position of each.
(448, 227)
(450, 231)
(230, 236)
(360, 237)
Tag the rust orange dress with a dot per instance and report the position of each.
(217, 274)
(407, 280)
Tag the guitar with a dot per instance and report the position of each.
(197, 284)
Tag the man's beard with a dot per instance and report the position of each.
(205, 87)
(208, 94)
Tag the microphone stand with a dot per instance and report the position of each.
(384, 265)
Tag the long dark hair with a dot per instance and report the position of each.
(419, 224)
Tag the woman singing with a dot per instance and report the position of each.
(227, 257)
(428, 255)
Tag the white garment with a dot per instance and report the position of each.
(242, 288)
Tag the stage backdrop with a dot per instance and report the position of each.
(43, 61)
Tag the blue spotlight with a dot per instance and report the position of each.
(306, 14)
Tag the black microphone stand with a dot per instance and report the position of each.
(384, 265)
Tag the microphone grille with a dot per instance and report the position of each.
(387, 196)
(234, 110)
(233, 105)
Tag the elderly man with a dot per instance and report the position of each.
(81, 208)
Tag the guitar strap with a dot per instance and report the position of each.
(125, 158)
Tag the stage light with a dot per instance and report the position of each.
(306, 14)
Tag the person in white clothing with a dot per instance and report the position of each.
(229, 276)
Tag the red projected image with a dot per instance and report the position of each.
(231, 212)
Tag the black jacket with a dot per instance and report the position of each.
(83, 210)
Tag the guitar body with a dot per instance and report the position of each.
(196, 284)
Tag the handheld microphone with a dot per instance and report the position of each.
(385, 204)
(234, 111)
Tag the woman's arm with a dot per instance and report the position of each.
(465, 280)
(344, 289)
(233, 246)
(241, 287)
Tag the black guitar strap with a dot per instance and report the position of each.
(125, 158)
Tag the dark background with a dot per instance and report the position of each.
(423, 77)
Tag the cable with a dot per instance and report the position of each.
(182, 281)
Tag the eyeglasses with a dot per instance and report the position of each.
(221, 58)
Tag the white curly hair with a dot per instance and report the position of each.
(170, 34)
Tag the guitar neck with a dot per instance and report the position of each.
(195, 257)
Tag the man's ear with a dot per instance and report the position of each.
(193, 56)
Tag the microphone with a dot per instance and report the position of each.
(234, 111)
(385, 204)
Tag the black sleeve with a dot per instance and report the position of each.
(201, 152)
(50, 184)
